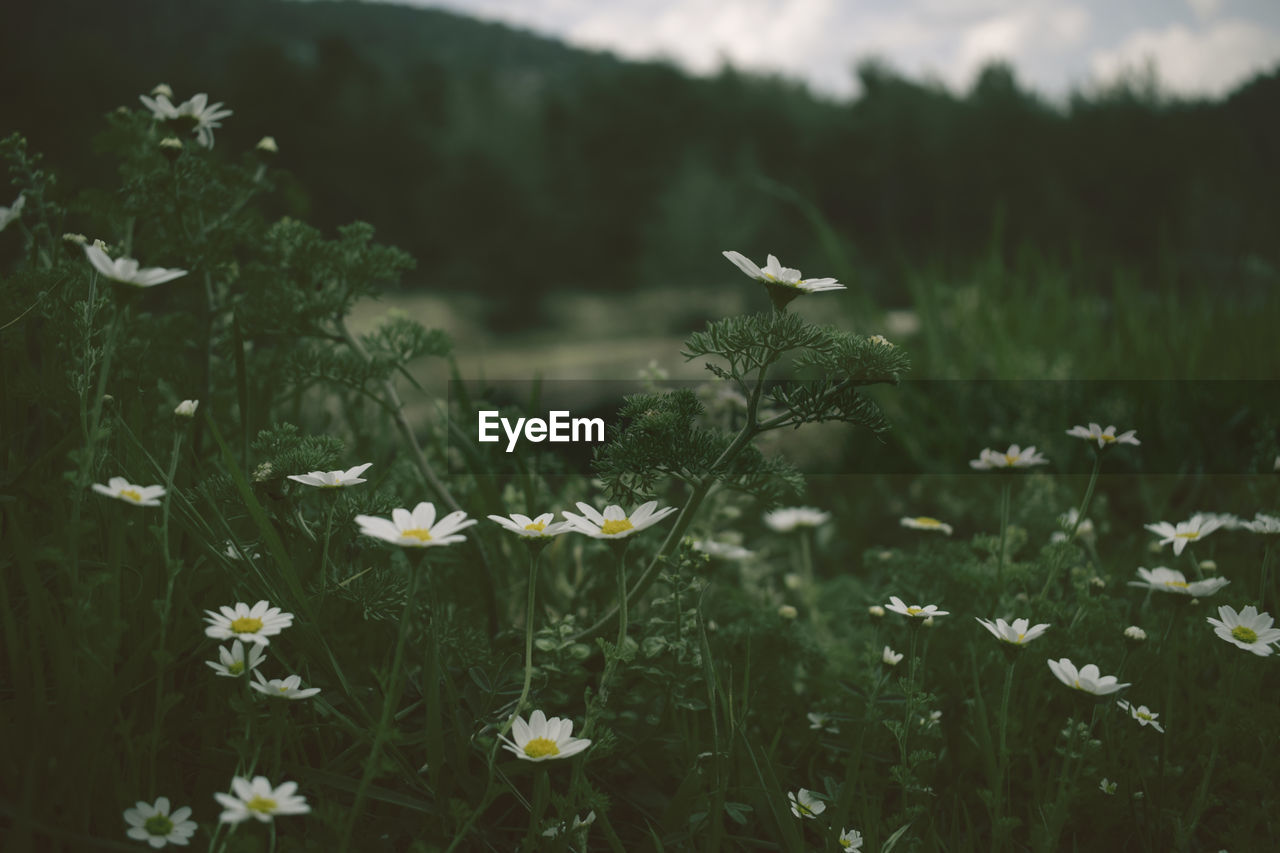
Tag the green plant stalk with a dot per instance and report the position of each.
(388, 706)
(1002, 756)
(1004, 532)
(535, 551)
(1080, 516)
(602, 696)
(324, 548)
(170, 572)
(810, 585)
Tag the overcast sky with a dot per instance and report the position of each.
(1198, 46)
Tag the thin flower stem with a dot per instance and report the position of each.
(170, 572)
(1002, 756)
(810, 585)
(534, 553)
(1004, 532)
(611, 664)
(1080, 516)
(324, 549)
(388, 706)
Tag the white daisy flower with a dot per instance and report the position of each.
(723, 550)
(286, 688)
(1087, 679)
(614, 523)
(186, 409)
(127, 271)
(202, 116)
(850, 839)
(122, 489)
(543, 739)
(915, 611)
(417, 529)
(1014, 457)
(1162, 579)
(819, 720)
(1264, 524)
(259, 800)
(1184, 532)
(232, 662)
(12, 212)
(1142, 714)
(154, 824)
(541, 527)
(804, 804)
(1248, 629)
(1104, 437)
(890, 658)
(252, 624)
(1018, 634)
(774, 273)
(788, 519)
(332, 479)
(924, 522)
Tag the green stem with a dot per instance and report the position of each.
(1004, 533)
(602, 697)
(1002, 759)
(1080, 516)
(534, 553)
(388, 706)
(171, 572)
(324, 549)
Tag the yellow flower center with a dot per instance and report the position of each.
(536, 527)
(1020, 638)
(1107, 438)
(262, 805)
(246, 625)
(1145, 716)
(610, 528)
(419, 533)
(913, 610)
(131, 494)
(1244, 635)
(925, 521)
(158, 825)
(1194, 534)
(1010, 458)
(803, 809)
(540, 747)
(236, 667)
(1178, 584)
(1078, 687)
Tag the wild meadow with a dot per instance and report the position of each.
(1003, 579)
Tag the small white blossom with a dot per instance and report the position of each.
(819, 720)
(791, 518)
(1104, 437)
(850, 840)
(1163, 579)
(12, 212)
(889, 657)
(1264, 524)
(127, 271)
(1087, 679)
(915, 611)
(1133, 632)
(774, 273)
(804, 804)
(286, 688)
(1184, 532)
(1014, 457)
(417, 529)
(924, 522)
(122, 489)
(156, 825)
(543, 739)
(332, 479)
(1017, 634)
(1142, 714)
(186, 409)
(259, 800)
(614, 523)
(255, 624)
(232, 661)
(541, 527)
(1248, 629)
(1107, 787)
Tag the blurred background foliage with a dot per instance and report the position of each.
(517, 169)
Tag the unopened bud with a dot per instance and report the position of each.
(786, 611)
(186, 409)
(1133, 632)
(267, 145)
(876, 611)
(171, 148)
(162, 89)
(1208, 566)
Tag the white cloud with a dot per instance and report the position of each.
(1208, 61)
(1205, 9)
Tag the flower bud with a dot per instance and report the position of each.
(1208, 566)
(186, 409)
(162, 89)
(263, 472)
(786, 611)
(792, 580)
(267, 145)
(876, 611)
(889, 657)
(1133, 632)
(171, 148)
